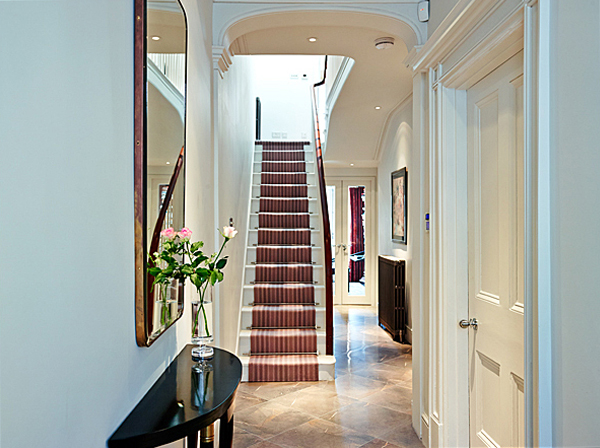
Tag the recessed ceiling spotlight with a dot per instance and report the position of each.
(377, 107)
(383, 43)
(312, 39)
(168, 163)
(155, 38)
(351, 164)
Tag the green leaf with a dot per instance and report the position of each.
(197, 280)
(197, 245)
(154, 271)
(213, 277)
(221, 263)
(187, 270)
(198, 261)
(203, 273)
(168, 259)
(219, 276)
(168, 270)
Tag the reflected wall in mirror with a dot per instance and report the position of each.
(160, 105)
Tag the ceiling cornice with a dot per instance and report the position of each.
(454, 29)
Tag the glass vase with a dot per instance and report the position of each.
(163, 303)
(201, 333)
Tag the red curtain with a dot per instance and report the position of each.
(357, 231)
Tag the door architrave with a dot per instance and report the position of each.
(522, 28)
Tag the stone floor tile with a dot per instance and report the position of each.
(268, 391)
(384, 372)
(264, 444)
(245, 400)
(268, 419)
(398, 398)
(368, 405)
(367, 418)
(404, 436)
(315, 400)
(243, 439)
(320, 434)
(356, 387)
(378, 443)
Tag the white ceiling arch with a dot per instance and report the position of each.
(378, 78)
(232, 20)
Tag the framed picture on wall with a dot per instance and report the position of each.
(399, 206)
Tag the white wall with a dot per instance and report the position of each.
(236, 149)
(396, 152)
(285, 102)
(70, 368)
(575, 220)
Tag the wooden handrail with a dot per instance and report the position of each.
(155, 241)
(326, 224)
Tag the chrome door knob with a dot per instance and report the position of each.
(466, 323)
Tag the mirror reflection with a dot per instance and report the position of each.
(166, 35)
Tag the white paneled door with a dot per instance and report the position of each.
(496, 263)
(349, 209)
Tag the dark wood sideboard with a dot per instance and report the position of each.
(394, 309)
(182, 402)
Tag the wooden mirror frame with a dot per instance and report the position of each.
(143, 281)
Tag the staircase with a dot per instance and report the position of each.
(282, 335)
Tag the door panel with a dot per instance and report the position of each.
(496, 347)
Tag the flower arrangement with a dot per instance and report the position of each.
(180, 259)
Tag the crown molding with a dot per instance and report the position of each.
(458, 25)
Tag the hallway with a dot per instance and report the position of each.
(368, 404)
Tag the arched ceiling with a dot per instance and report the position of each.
(378, 77)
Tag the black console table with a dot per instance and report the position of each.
(182, 402)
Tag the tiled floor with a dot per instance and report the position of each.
(368, 405)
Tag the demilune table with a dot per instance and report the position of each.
(182, 402)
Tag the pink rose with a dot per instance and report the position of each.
(169, 233)
(229, 232)
(185, 234)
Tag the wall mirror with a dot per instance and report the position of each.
(160, 62)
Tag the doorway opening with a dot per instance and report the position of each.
(349, 203)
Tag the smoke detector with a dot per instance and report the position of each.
(383, 43)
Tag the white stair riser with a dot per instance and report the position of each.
(317, 256)
(308, 156)
(314, 219)
(311, 178)
(313, 206)
(319, 295)
(245, 343)
(317, 274)
(313, 191)
(247, 318)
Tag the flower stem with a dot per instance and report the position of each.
(201, 294)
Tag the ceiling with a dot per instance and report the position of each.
(378, 78)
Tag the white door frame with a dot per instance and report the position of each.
(452, 60)
(371, 226)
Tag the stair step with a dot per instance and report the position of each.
(319, 323)
(326, 367)
(294, 274)
(285, 292)
(296, 221)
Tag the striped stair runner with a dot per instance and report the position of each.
(283, 339)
